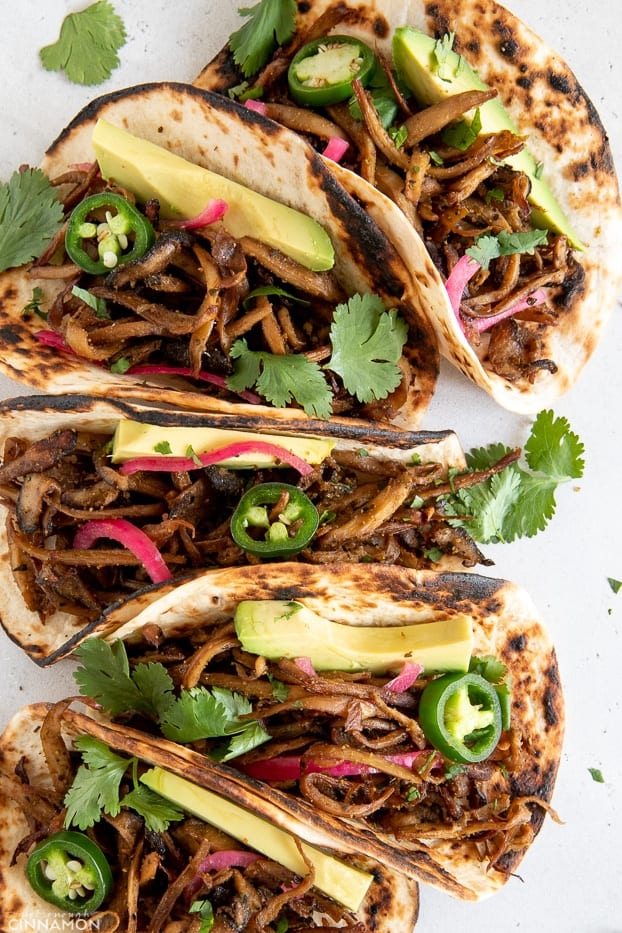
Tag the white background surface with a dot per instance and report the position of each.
(570, 881)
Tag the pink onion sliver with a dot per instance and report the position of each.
(257, 105)
(214, 210)
(227, 858)
(460, 275)
(131, 537)
(176, 464)
(406, 678)
(144, 369)
(531, 301)
(51, 339)
(336, 148)
(305, 665)
(281, 768)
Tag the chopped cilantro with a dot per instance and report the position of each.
(441, 53)
(413, 794)
(162, 447)
(120, 366)
(273, 290)
(98, 305)
(88, 44)
(495, 194)
(34, 305)
(270, 23)
(434, 554)
(435, 157)
(204, 909)
(597, 775)
(280, 690)
(30, 215)
(191, 454)
(519, 502)
(399, 135)
(382, 96)
(616, 585)
(489, 667)
(462, 135)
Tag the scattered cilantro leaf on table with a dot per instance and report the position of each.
(519, 502)
(597, 775)
(30, 215)
(616, 585)
(87, 47)
(269, 23)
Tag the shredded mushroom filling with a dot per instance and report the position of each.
(451, 196)
(182, 305)
(159, 875)
(372, 510)
(352, 746)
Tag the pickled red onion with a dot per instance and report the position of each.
(457, 280)
(406, 678)
(202, 375)
(257, 105)
(289, 767)
(131, 537)
(336, 148)
(227, 858)
(482, 323)
(51, 339)
(214, 210)
(176, 464)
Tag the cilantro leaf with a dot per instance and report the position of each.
(157, 812)
(597, 775)
(382, 95)
(270, 23)
(30, 215)
(280, 379)
(99, 305)
(462, 134)
(488, 247)
(88, 44)
(367, 344)
(96, 785)
(201, 713)
(444, 55)
(518, 502)
(105, 676)
(616, 585)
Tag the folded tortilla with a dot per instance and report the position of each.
(564, 134)
(513, 789)
(46, 629)
(212, 132)
(390, 906)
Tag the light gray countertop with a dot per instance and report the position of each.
(570, 880)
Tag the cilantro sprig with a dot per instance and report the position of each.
(96, 790)
(195, 714)
(488, 247)
(519, 502)
(269, 23)
(86, 49)
(367, 342)
(30, 215)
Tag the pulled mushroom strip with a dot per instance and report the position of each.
(436, 117)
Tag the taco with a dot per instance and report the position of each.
(105, 504)
(421, 710)
(206, 256)
(143, 864)
(469, 139)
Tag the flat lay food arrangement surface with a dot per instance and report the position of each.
(309, 320)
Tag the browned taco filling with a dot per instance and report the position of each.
(448, 179)
(174, 876)
(169, 523)
(233, 318)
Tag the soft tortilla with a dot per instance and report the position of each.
(392, 904)
(506, 625)
(209, 130)
(564, 133)
(34, 417)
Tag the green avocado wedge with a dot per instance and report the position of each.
(433, 72)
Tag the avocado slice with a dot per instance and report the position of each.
(434, 72)
(276, 628)
(335, 878)
(183, 190)
(135, 439)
